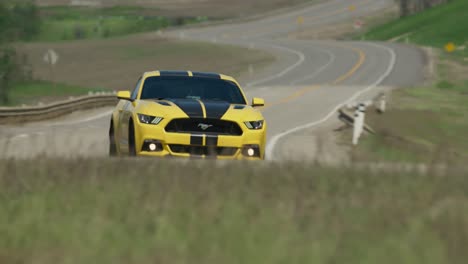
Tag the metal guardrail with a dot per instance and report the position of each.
(353, 115)
(348, 118)
(17, 115)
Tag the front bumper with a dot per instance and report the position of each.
(204, 146)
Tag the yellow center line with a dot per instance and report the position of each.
(361, 60)
(340, 79)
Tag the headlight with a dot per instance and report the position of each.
(146, 119)
(255, 125)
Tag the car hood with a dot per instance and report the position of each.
(191, 108)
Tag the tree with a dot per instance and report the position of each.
(8, 69)
(408, 7)
(25, 20)
(4, 19)
(404, 11)
(20, 21)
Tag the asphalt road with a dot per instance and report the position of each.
(303, 88)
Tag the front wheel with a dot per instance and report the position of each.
(131, 140)
(112, 144)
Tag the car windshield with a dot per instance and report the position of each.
(177, 87)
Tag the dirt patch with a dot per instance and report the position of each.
(453, 71)
(400, 134)
(317, 145)
(210, 8)
(117, 63)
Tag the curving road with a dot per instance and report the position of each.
(309, 80)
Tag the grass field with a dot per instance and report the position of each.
(434, 27)
(116, 64)
(71, 23)
(145, 211)
(32, 92)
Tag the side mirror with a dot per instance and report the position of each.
(258, 102)
(124, 95)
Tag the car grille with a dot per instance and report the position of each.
(204, 126)
(206, 150)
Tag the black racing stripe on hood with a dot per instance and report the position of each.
(164, 103)
(216, 110)
(196, 139)
(212, 140)
(206, 75)
(191, 107)
(173, 73)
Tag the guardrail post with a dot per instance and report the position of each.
(382, 105)
(359, 116)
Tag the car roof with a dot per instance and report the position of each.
(211, 75)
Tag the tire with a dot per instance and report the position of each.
(112, 144)
(131, 139)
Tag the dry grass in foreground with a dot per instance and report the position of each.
(147, 211)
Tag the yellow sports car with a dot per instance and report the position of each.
(187, 114)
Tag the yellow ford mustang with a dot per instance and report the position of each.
(187, 114)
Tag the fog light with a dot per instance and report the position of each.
(153, 147)
(251, 152)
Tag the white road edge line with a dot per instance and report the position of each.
(275, 139)
(281, 74)
(105, 114)
(19, 136)
(331, 60)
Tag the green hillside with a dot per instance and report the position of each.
(434, 27)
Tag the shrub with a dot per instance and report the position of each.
(9, 72)
(445, 85)
(19, 21)
(79, 32)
